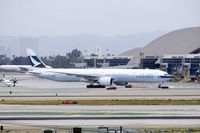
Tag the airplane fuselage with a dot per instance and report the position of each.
(118, 75)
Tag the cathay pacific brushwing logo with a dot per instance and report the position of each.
(36, 63)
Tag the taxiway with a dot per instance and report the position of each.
(34, 88)
(115, 115)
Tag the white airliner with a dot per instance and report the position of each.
(100, 77)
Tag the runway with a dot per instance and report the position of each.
(113, 115)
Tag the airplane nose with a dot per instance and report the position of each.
(170, 76)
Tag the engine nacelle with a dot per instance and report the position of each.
(105, 81)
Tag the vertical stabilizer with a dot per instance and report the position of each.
(34, 59)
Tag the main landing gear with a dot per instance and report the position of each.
(101, 86)
(95, 86)
(111, 88)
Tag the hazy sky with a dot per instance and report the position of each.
(99, 17)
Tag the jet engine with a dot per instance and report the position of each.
(105, 81)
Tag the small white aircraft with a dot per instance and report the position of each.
(8, 82)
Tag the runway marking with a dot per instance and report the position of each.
(65, 96)
(84, 113)
(73, 113)
(102, 118)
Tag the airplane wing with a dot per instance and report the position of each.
(85, 76)
(24, 69)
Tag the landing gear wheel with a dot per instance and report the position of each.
(95, 86)
(111, 88)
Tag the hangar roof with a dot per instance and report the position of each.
(183, 41)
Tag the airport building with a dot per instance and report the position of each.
(177, 52)
(106, 62)
(180, 64)
(101, 61)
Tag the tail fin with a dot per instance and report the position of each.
(34, 59)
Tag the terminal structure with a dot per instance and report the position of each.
(177, 52)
